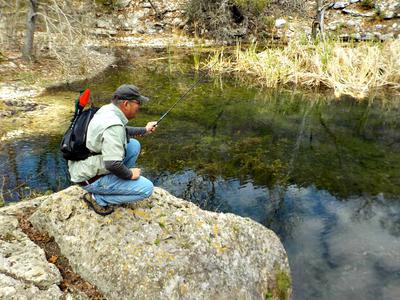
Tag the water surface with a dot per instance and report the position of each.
(323, 174)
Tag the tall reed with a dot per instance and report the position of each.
(348, 68)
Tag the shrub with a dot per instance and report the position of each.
(367, 4)
(224, 19)
(232, 19)
(252, 5)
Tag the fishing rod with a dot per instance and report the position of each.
(184, 95)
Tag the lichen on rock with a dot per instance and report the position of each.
(165, 247)
(24, 270)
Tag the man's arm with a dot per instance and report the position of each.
(140, 131)
(118, 168)
(136, 131)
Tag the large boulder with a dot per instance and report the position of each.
(166, 248)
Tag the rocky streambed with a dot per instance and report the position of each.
(161, 247)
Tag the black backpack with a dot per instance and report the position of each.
(73, 144)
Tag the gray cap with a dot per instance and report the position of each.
(129, 92)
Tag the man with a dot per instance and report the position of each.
(109, 176)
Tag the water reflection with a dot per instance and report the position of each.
(324, 175)
(337, 249)
(31, 166)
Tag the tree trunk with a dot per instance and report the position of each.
(30, 29)
(318, 23)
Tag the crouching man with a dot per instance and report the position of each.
(110, 177)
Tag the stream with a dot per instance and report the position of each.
(324, 174)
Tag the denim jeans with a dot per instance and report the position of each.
(111, 189)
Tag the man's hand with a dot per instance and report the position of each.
(151, 127)
(135, 173)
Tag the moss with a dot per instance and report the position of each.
(268, 296)
(8, 237)
(367, 4)
(161, 224)
(283, 285)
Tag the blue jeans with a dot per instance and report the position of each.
(111, 189)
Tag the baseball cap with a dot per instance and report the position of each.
(130, 92)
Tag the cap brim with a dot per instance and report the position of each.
(143, 99)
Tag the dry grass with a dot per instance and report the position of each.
(348, 68)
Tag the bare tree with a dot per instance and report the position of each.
(30, 29)
(318, 23)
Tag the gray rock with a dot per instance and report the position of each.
(388, 9)
(356, 36)
(146, 4)
(340, 5)
(11, 289)
(132, 21)
(122, 3)
(24, 270)
(177, 22)
(367, 36)
(279, 23)
(387, 36)
(104, 32)
(356, 13)
(104, 23)
(165, 248)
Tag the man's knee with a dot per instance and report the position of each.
(133, 146)
(148, 189)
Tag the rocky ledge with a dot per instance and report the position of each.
(161, 247)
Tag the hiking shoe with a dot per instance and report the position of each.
(101, 210)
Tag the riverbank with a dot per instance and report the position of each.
(25, 108)
(353, 69)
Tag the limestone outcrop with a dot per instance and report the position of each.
(161, 247)
(24, 270)
(165, 247)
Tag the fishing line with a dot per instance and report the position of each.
(185, 94)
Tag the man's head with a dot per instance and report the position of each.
(128, 99)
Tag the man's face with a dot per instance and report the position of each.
(130, 108)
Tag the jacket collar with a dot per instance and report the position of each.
(119, 113)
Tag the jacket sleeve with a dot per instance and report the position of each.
(118, 168)
(135, 131)
(113, 151)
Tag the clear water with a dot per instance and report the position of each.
(323, 174)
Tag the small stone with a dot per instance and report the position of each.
(103, 23)
(340, 5)
(387, 36)
(122, 3)
(356, 36)
(279, 23)
(146, 5)
(367, 36)
(176, 21)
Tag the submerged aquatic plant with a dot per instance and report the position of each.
(348, 68)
